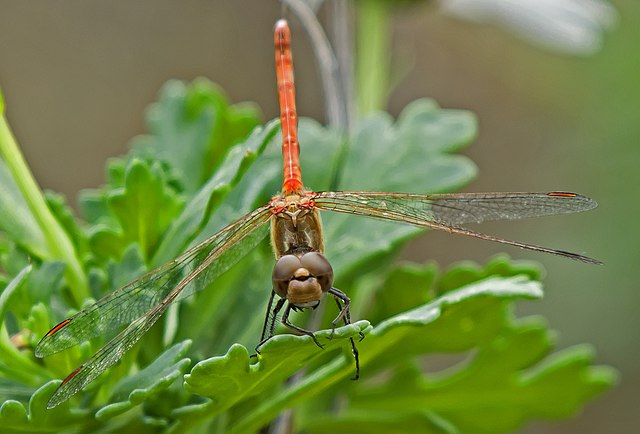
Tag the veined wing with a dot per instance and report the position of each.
(448, 211)
(190, 272)
(194, 269)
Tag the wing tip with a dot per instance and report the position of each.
(588, 260)
(42, 349)
(587, 202)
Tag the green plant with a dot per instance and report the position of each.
(205, 162)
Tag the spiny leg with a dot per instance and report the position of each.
(271, 315)
(285, 321)
(345, 311)
(345, 314)
(267, 315)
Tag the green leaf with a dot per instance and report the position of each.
(232, 310)
(393, 340)
(19, 185)
(231, 378)
(16, 220)
(146, 206)
(13, 286)
(192, 126)
(106, 241)
(381, 422)
(465, 317)
(204, 202)
(132, 266)
(45, 281)
(466, 272)
(497, 391)
(408, 285)
(494, 393)
(416, 150)
(63, 213)
(14, 417)
(405, 286)
(14, 391)
(149, 382)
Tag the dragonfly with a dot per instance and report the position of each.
(302, 275)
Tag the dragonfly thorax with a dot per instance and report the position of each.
(295, 226)
(302, 278)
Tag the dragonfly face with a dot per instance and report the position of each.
(302, 278)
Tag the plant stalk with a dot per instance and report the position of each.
(59, 245)
(373, 55)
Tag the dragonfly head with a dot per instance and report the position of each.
(302, 279)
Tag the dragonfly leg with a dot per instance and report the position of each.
(270, 318)
(267, 316)
(345, 314)
(285, 321)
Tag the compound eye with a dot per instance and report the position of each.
(318, 267)
(283, 272)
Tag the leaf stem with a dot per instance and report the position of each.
(373, 55)
(59, 244)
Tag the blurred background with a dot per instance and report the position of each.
(77, 76)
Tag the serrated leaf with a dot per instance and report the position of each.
(145, 206)
(231, 378)
(106, 241)
(204, 202)
(192, 126)
(393, 340)
(12, 390)
(565, 381)
(148, 382)
(497, 287)
(416, 150)
(93, 205)
(442, 130)
(496, 391)
(14, 417)
(405, 287)
(454, 322)
(465, 272)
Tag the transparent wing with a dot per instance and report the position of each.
(105, 357)
(448, 211)
(190, 272)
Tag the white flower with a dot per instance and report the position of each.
(567, 26)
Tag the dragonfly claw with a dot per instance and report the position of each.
(315, 340)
